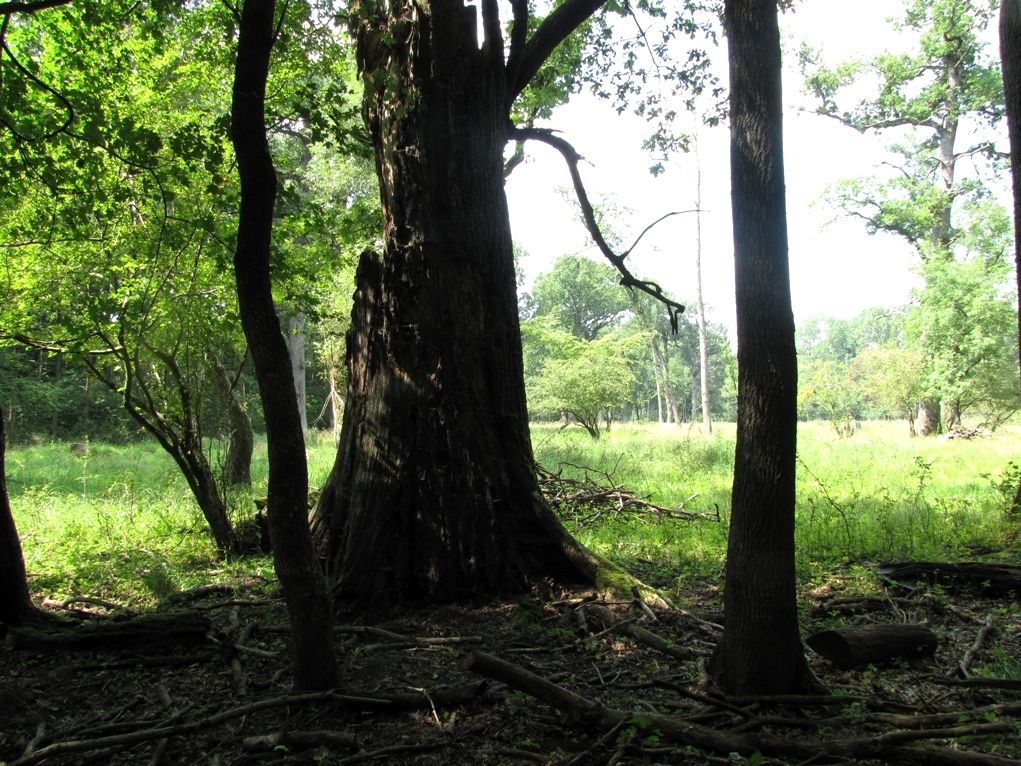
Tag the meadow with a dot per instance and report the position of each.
(118, 523)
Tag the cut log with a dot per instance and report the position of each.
(990, 578)
(873, 644)
(153, 631)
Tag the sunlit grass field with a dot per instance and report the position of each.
(119, 523)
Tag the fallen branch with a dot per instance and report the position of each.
(300, 740)
(969, 656)
(349, 698)
(638, 633)
(891, 746)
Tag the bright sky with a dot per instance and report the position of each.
(836, 268)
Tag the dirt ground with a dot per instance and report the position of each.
(218, 691)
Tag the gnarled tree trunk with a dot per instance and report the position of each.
(433, 494)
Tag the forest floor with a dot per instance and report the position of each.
(211, 686)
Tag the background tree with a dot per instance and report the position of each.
(761, 651)
(931, 99)
(582, 294)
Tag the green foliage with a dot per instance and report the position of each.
(582, 378)
(583, 296)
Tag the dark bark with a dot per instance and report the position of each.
(761, 651)
(304, 585)
(16, 607)
(237, 466)
(433, 494)
(1010, 57)
(929, 416)
(857, 645)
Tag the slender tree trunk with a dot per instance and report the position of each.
(1010, 56)
(433, 494)
(659, 390)
(304, 585)
(336, 404)
(296, 348)
(16, 607)
(761, 650)
(237, 468)
(58, 373)
(703, 335)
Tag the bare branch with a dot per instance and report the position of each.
(553, 31)
(674, 309)
(861, 127)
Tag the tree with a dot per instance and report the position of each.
(945, 91)
(761, 651)
(433, 492)
(891, 378)
(585, 379)
(1010, 55)
(16, 605)
(584, 296)
(304, 585)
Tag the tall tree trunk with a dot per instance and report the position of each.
(237, 467)
(1010, 56)
(433, 494)
(929, 417)
(703, 335)
(16, 607)
(305, 588)
(659, 389)
(761, 650)
(296, 348)
(660, 359)
(58, 373)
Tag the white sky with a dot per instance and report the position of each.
(836, 268)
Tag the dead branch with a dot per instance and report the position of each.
(584, 501)
(969, 656)
(300, 740)
(892, 747)
(348, 698)
(638, 633)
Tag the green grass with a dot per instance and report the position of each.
(121, 524)
(877, 495)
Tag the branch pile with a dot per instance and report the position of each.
(597, 496)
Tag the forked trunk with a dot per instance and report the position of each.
(433, 494)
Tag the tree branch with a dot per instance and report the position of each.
(674, 309)
(519, 34)
(30, 7)
(553, 31)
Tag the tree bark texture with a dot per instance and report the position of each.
(433, 494)
(1010, 58)
(16, 607)
(761, 651)
(304, 585)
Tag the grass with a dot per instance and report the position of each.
(120, 522)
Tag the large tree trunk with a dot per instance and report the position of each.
(761, 650)
(1010, 55)
(929, 416)
(433, 494)
(16, 607)
(304, 585)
